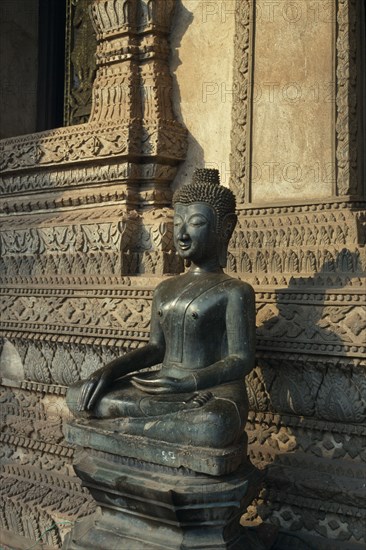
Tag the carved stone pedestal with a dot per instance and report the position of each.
(162, 502)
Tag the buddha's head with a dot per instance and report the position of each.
(204, 217)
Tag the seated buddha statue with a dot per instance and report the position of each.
(201, 342)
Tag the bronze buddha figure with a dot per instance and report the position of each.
(202, 339)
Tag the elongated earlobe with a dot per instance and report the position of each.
(223, 254)
(228, 226)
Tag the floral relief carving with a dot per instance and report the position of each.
(330, 324)
(339, 398)
(239, 159)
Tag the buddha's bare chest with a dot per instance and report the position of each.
(193, 320)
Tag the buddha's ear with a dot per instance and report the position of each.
(228, 226)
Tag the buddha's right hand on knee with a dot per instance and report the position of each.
(93, 388)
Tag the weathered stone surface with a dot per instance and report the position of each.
(203, 83)
(102, 435)
(149, 506)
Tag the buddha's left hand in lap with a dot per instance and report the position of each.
(166, 384)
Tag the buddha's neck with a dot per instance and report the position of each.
(208, 266)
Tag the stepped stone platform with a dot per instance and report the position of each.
(154, 494)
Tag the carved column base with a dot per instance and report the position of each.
(153, 506)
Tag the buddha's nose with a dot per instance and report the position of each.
(182, 233)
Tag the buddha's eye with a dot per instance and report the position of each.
(197, 221)
(177, 221)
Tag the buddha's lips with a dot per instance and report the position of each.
(184, 246)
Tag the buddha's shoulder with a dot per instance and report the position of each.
(166, 283)
(239, 288)
(224, 282)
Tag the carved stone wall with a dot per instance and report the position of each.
(306, 259)
(82, 209)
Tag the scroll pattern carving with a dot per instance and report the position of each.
(55, 246)
(87, 175)
(35, 251)
(329, 328)
(239, 181)
(316, 239)
(323, 390)
(348, 180)
(80, 314)
(311, 463)
(68, 145)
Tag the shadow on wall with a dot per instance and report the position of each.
(308, 405)
(325, 332)
(195, 154)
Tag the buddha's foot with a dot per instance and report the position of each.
(200, 399)
(119, 424)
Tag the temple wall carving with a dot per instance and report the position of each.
(86, 234)
(84, 209)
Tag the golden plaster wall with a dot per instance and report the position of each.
(202, 42)
(293, 101)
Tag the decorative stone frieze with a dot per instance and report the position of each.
(129, 149)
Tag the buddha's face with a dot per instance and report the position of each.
(195, 236)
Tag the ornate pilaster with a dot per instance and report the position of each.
(80, 46)
(348, 107)
(128, 151)
(240, 132)
(115, 89)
